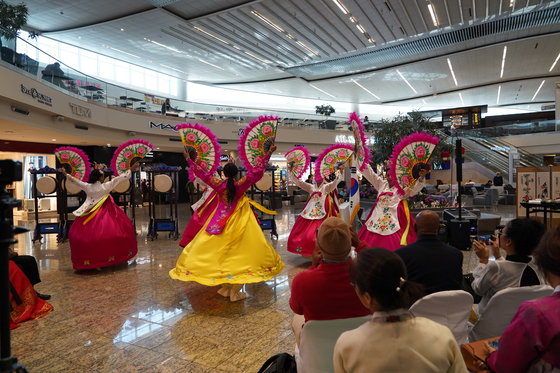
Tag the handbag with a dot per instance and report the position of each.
(475, 354)
(281, 363)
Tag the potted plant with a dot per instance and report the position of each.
(325, 110)
(12, 19)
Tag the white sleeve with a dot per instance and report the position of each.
(109, 186)
(333, 184)
(80, 184)
(485, 276)
(372, 177)
(302, 184)
(417, 187)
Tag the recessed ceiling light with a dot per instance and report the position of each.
(365, 89)
(498, 99)
(109, 145)
(503, 61)
(306, 47)
(172, 68)
(157, 148)
(433, 14)
(461, 97)
(53, 139)
(319, 89)
(161, 45)
(361, 29)
(554, 64)
(209, 34)
(208, 63)
(122, 29)
(118, 50)
(342, 7)
(424, 102)
(537, 92)
(452, 73)
(267, 21)
(406, 81)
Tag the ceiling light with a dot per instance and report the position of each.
(352, 19)
(537, 92)
(252, 55)
(406, 81)
(109, 145)
(319, 89)
(157, 148)
(461, 97)
(424, 102)
(339, 4)
(511, 2)
(290, 36)
(554, 64)
(361, 29)
(364, 88)
(306, 47)
(118, 50)
(208, 63)
(503, 61)
(452, 73)
(53, 139)
(277, 90)
(161, 45)
(209, 34)
(172, 68)
(433, 14)
(371, 40)
(266, 20)
(498, 99)
(236, 47)
(122, 29)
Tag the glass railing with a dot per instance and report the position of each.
(518, 129)
(61, 76)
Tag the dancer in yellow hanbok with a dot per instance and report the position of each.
(231, 249)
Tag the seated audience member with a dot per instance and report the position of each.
(28, 265)
(323, 292)
(394, 340)
(488, 184)
(25, 305)
(518, 238)
(531, 342)
(430, 262)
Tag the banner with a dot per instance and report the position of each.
(354, 190)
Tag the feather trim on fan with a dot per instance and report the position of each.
(202, 141)
(77, 159)
(302, 161)
(413, 149)
(256, 145)
(127, 152)
(360, 138)
(349, 148)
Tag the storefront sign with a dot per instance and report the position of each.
(153, 100)
(224, 158)
(41, 98)
(80, 110)
(343, 139)
(162, 126)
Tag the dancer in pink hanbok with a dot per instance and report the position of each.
(202, 211)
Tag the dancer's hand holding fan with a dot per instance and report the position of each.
(255, 143)
(299, 160)
(127, 153)
(409, 160)
(202, 147)
(76, 160)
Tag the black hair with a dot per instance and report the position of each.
(547, 255)
(94, 176)
(230, 171)
(378, 272)
(525, 234)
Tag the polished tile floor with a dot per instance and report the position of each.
(134, 318)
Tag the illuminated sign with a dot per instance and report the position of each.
(343, 139)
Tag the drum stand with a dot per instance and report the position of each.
(266, 223)
(130, 192)
(47, 228)
(171, 224)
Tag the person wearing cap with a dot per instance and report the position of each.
(445, 273)
(324, 292)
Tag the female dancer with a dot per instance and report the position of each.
(389, 223)
(101, 235)
(231, 249)
(302, 236)
(202, 210)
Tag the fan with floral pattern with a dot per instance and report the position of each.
(409, 157)
(76, 159)
(299, 158)
(201, 145)
(127, 153)
(256, 140)
(329, 159)
(361, 150)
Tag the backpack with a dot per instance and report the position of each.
(281, 363)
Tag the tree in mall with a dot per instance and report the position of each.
(12, 19)
(389, 132)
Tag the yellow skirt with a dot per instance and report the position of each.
(241, 254)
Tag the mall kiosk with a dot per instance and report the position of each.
(163, 182)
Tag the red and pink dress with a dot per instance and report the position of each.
(102, 234)
(202, 211)
(318, 208)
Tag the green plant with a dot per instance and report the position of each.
(389, 133)
(12, 19)
(325, 110)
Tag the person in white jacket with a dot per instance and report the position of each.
(102, 234)
(318, 208)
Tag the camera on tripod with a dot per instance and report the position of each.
(10, 171)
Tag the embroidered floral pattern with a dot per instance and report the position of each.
(384, 222)
(314, 208)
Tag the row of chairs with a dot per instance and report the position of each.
(449, 308)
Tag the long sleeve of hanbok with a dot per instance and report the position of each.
(208, 179)
(80, 184)
(416, 188)
(373, 178)
(300, 184)
(110, 185)
(254, 174)
(333, 184)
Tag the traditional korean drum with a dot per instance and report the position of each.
(162, 183)
(46, 185)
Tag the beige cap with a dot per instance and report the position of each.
(334, 239)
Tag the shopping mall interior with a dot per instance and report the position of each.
(95, 75)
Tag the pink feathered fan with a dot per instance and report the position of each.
(76, 159)
(361, 150)
(256, 141)
(330, 158)
(127, 152)
(300, 160)
(201, 145)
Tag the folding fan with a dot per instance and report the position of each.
(329, 159)
(299, 159)
(409, 157)
(361, 150)
(256, 141)
(127, 152)
(76, 159)
(201, 145)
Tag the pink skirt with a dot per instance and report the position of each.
(198, 220)
(302, 236)
(108, 238)
(393, 241)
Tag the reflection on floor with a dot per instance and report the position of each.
(134, 318)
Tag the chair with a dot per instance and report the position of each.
(449, 308)
(474, 192)
(502, 307)
(318, 338)
(485, 200)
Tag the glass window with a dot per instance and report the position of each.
(106, 67)
(69, 56)
(137, 76)
(88, 63)
(173, 86)
(48, 46)
(122, 72)
(163, 83)
(151, 80)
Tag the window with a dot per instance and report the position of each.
(88, 63)
(137, 75)
(106, 67)
(151, 80)
(70, 56)
(122, 72)
(163, 83)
